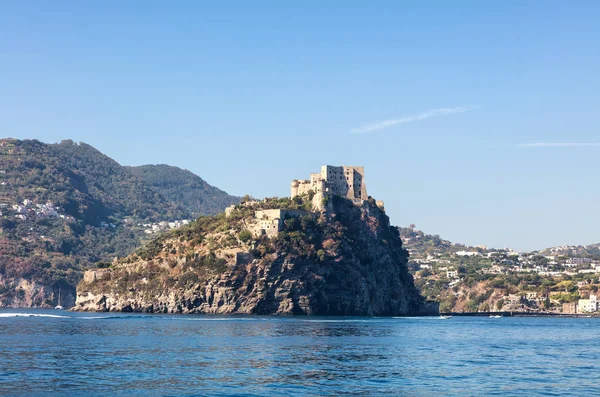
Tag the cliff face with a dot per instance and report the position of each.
(21, 292)
(348, 262)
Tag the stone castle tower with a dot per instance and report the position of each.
(345, 181)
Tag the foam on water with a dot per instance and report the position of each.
(340, 321)
(118, 317)
(31, 315)
(208, 318)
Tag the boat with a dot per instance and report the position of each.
(59, 307)
(495, 316)
(443, 317)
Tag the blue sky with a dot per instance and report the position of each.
(475, 120)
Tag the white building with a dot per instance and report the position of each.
(588, 305)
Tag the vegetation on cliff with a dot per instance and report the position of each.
(348, 262)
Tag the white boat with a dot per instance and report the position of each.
(495, 316)
(444, 317)
(59, 307)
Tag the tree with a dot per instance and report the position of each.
(499, 304)
(245, 235)
(471, 306)
(246, 198)
(547, 303)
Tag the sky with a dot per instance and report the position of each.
(474, 120)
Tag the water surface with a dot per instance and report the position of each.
(47, 353)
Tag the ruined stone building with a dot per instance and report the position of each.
(270, 222)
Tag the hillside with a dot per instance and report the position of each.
(471, 279)
(63, 208)
(185, 188)
(345, 262)
(582, 251)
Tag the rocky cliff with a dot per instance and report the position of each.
(345, 262)
(21, 292)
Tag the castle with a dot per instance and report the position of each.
(345, 181)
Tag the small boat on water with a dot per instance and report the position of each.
(59, 307)
(495, 316)
(442, 317)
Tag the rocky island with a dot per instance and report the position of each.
(329, 249)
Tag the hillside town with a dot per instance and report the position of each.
(470, 279)
(157, 227)
(27, 210)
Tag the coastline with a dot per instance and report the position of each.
(523, 314)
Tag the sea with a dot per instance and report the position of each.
(59, 353)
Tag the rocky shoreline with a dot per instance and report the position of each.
(523, 314)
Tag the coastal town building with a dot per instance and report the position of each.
(569, 308)
(588, 305)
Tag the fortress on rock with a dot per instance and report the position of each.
(344, 181)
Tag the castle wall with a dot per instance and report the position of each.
(89, 276)
(302, 188)
(229, 210)
(345, 181)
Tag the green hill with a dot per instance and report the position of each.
(65, 207)
(185, 188)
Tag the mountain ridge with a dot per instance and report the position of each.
(64, 207)
(185, 188)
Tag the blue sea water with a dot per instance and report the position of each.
(47, 353)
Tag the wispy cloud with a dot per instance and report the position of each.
(559, 144)
(428, 114)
